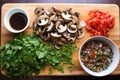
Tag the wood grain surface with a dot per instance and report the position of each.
(83, 9)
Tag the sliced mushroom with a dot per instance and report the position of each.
(34, 26)
(63, 40)
(80, 33)
(72, 39)
(53, 18)
(45, 36)
(43, 29)
(57, 46)
(50, 27)
(39, 10)
(77, 14)
(60, 27)
(75, 20)
(47, 12)
(58, 11)
(72, 28)
(37, 32)
(43, 20)
(56, 35)
(60, 43)
(68, 10)
(66, 16)
(66, 34)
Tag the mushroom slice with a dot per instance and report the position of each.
(67, 10)
(66, 16)
(80, 33)
(45, 36)
(58, 11)
(37, 32)
(75, 20)
(50, 27)
(60, 43)
(53, 18)
(63, 40)
(43, 20)
(57, 46)
(34, 26)
(72, 28)
(56, 35)
(66, 34)
(48, 12)
(39, 11)
(60, 27)
(77, 14)
(72, 39)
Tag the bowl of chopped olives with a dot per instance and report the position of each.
(98, 56)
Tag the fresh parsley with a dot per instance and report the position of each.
(28, 54)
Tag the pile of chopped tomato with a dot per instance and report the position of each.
(99, 22)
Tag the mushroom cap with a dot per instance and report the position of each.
(56, 35)
(67, 10)
(80, 33)
(56, 9)
(45, 36)
(60, 27)
(77, 14)
(66, 15)
(38, 11)
(50, 27)
(43, 20)
(66, 34)
(75, 20)
(53, 18)
(72, 28)
(72, 39)
(57, 46)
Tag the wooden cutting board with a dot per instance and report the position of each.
(83, 9)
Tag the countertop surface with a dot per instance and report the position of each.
(116, 77)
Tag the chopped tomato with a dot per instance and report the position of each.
(99, 23)
(92, 54)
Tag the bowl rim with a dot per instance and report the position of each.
(90, 71)
(11, 11)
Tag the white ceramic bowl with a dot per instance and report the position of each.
(114, 63)
(7, 19)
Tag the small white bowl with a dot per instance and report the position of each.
(8, 16)
(114, 63)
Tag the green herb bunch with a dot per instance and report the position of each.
(28, 54)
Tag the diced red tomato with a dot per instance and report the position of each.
(100, 22)
(92, 54)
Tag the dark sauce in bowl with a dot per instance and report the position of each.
(18, 21)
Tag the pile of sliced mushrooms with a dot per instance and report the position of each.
(59, 27)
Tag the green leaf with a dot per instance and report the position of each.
(59, 68)
(50, 70)
(72, 62)
(7, 45)
(35, 42)
(54, 60)
(17, 47)
(9, 52)
(41, 54)
(70, 68)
